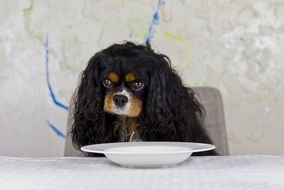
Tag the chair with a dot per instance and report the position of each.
(214, 122)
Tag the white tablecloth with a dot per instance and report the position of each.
(230, 172)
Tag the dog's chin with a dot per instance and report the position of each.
(121, 112)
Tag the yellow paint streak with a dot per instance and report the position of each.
(183, 40)
(175, 36)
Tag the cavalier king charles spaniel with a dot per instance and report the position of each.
(127, 93)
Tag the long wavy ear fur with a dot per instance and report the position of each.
(172, 113)
(89, 125)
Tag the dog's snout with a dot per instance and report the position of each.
(120, 100)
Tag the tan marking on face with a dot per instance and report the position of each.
(108, 104)
(130, 77)
(135, 106)
(113, 77)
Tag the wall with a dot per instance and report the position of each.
(235, 46)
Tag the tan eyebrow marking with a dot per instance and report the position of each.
(113, 77)
(130, 77)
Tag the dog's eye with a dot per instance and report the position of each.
(137, 85)
(107, 83)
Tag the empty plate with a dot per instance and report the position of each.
(147, 154)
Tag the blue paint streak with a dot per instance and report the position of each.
(155, 21)
(131, 33)
(53, 97)
(56, 130)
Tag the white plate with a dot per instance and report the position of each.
(147, 154)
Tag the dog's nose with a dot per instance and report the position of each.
(120, 100)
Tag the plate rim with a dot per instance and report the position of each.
(161, 143)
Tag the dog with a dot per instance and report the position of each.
(127, 93)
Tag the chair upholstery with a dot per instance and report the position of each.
(214, 122)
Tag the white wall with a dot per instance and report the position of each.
(236, 46)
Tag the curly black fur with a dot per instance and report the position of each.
(170, 110)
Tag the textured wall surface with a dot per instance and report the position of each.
(233, 45)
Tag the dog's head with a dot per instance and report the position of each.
(123, 75)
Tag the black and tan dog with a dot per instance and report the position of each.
(130, 93)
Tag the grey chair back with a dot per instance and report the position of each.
(214, 122)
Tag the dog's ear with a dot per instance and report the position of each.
(158, 114)
(89, 117)
(172, 112)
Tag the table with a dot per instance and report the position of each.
(217, 172)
